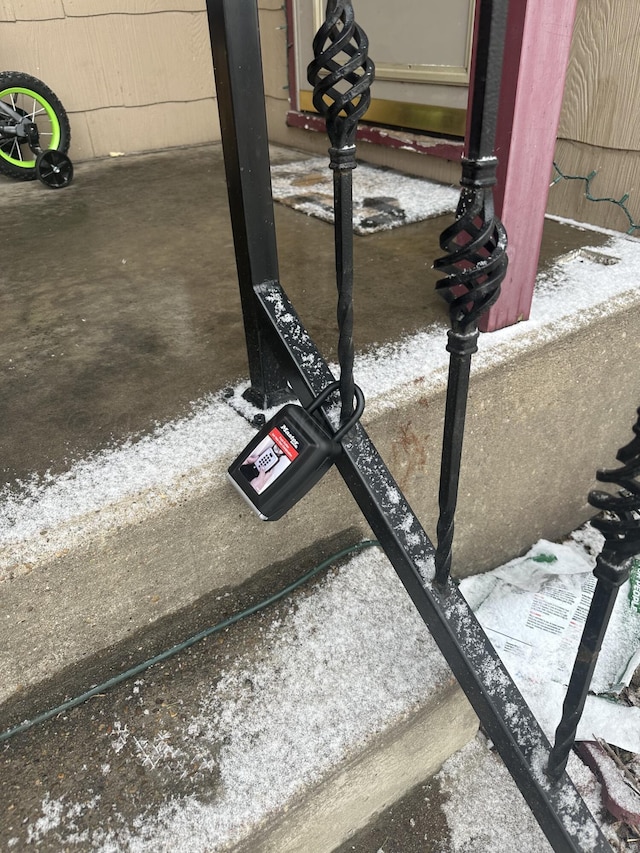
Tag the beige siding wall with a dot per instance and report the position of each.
(600, 125)
(134, 75)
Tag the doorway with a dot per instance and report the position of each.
(422, 53)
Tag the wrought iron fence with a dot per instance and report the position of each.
(282, 357)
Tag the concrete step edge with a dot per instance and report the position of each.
(329, 812)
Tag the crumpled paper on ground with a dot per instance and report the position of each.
(533, 610)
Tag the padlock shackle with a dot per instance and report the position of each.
(359, 409)
(355, 417)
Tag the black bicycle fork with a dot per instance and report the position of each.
(281, 354)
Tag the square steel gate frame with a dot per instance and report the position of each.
(282, 357)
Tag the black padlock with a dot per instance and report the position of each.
(288, 456)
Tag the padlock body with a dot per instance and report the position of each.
(285, 459)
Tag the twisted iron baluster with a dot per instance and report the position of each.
(341, 75)
(619, 522)
(475, 264)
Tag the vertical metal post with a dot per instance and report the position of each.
(235, 42)
(620, 524)
(476, 262)
(341, 93)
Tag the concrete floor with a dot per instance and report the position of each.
(120, 306)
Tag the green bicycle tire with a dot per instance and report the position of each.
(31, 96)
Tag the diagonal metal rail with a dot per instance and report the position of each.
(561, 813)
(504, 714)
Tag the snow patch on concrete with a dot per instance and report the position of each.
(350, 660)
(42, 517)
(578, 289)
(382, 199)
(486, 811)
(50, 515)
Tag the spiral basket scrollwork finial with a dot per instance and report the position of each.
(476, 244)
(341, 73)
(619, 521)
(475, 266)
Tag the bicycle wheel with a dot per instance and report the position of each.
(30, 97)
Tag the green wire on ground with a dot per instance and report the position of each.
(185, 644)
(621, 202)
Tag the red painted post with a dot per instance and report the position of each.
(534, 70)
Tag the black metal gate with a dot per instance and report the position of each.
(283, 358)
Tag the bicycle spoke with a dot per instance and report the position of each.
(12, 150)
